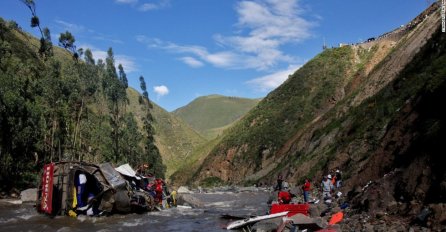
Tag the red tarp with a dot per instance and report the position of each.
(291, 208)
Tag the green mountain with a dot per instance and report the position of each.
(175, 139)
(210, 115)
(372, 110)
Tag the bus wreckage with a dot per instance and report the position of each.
(73, 188)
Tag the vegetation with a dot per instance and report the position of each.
(210, 115)
(314, 122)
(55, 106)
(210, 182)
(185, 170)
(290, 107)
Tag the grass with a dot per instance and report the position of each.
(290, 106)
(175, 139)
(210, 115)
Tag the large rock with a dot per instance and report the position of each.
(268, 225)
(29, 195)
(189, 199)
(305, 222)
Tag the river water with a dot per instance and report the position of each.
(24, 217)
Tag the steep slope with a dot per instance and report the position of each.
(174, 138)
(210, 115)
(286, 126)
(381, 122)
(55, 108)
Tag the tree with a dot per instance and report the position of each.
(89, 57)
(130, 141)
(66, 40)
(151, 152)
(46, 46)
(123, 76)
(117, 97)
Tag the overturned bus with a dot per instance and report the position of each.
(72, 188)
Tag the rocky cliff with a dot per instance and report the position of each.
(371, 110)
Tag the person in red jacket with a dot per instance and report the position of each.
(284, 196)
(159, 191)
(306, 189)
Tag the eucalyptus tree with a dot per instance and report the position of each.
(116, 94)
(66, 40)
(46, 46)
(151, 152)
(123, 76)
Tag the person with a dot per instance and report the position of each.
(142, 169)
(326, 187)
(80, 190)
(284, 196)
(338, 178)
(333, 180)
(306, 189)
(159, 191)
(279, 186)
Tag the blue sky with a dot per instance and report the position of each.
(191, 48)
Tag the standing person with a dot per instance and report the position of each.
(333, 180)
(306, 189)
(159, 191)
(279, 186)
(327, 187)
(338, 179)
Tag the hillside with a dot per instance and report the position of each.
(372, 110)
(210, 115)
(174, 138)
(54, 107)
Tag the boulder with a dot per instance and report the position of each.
(189, 199)
(29, 195)
(439, 214)
(268, 225)
(305, 222)
(314, 211)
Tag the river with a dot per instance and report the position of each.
(23, 217)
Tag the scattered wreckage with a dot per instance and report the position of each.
(72, 188)
(286, 217)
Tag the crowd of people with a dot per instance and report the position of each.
(327, 188)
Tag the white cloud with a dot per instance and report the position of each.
(224, 59)
(264, 26)
(154, 6)
(192, 62)
(271, 81)
(161, 90)
(127, 62)
(81, 31)
(71, 27)
(269, 24)
(126, 1)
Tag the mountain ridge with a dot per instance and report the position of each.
(210, 115)
(368, 111)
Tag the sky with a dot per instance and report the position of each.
(185, 49)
